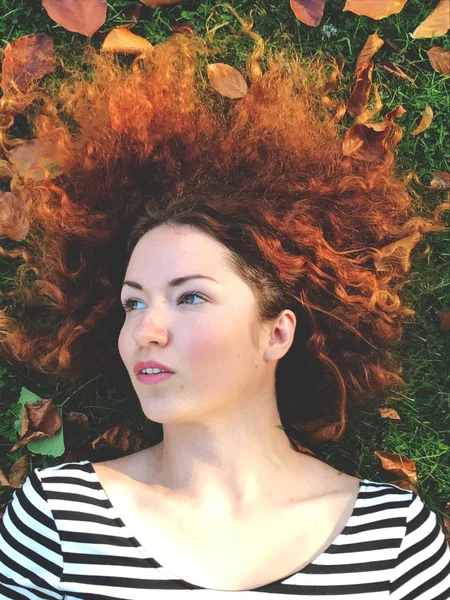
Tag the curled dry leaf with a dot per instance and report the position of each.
(157, 3)
(14, 221)
(81, 17)
(309, 12)
(227, 80)
(369, 141)
(122, 436)
(395, 257)
(31, 158)
(4, 480)
(425, 122)
(122, 40)
(19, 471)
(39, 420)
(439, 59)
(402, 467)
(445, 322)
(375, 9)
(394, 69)
(436, 24)
(389, 413)
(26, 60)
(372, 45)
(440, 181)
(361, 89)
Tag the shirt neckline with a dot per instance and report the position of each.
(146, 554)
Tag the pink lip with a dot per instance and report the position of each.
(153, 377)
(150, 364)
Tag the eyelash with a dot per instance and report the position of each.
(128, 302)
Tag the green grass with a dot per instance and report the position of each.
(424, 351)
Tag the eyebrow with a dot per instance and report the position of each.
(174, 283)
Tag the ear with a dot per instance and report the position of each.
(281, 335)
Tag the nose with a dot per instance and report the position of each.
(151, 327)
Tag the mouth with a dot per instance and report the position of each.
(152, 378)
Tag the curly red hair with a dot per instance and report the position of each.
(308, 227)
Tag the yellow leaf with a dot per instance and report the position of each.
(376, 9)
(372, 45)
(123, 41)
(227, 80)
(425, 122)
(436, 24)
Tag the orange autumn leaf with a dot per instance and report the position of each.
(227, 80)
(368, 141)
(123, 41)
(39, 420)
(425, 122)
(440, 181)
(19, 471)
(389, 413)
(81, 17)
(402, 467)
(439, 59)
(309, 12)
(397, 256)
(14, 221)
(436, 24)
(375, 9)
(31, 158)
(445, 322)
(372, 45)
(121, 436)
(26, 60)
(361, 89)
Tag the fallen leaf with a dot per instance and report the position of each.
(309, 12)
(401, 466)
(121, 436)
(19, 471)
(405, 484)
(27, 59)
(440, 181)
(361, 89)
(184, 27)
(76, 430)
(372, 45)
(436, 24)
(396, 257)
(425, 122)
(368, 141)
(14, 221)
(439, 59)
(122, 40)
(39, 420)
(31, 158)
(394, 69)
(389, 413)
(81, 17)
(227, 80)
(378, 9)
(445, 322)
(4, 480)
(157, 3)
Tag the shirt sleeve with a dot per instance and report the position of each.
(422, 571)
(30, 549)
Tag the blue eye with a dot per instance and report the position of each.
(128, 304)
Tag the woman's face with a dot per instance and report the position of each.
(204, 331)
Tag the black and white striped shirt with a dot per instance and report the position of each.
(61, 538)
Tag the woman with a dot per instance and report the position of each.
(235, 240)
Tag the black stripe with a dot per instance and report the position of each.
(7, 593)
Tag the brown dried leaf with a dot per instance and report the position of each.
(361, 89)
(436, 24)
(406, 485)
(309, 12)
(26, 60)
(378, 9)
(227, 80)
(372, 45)
(4, 480)
(19, 471)
(389, 413)
(184, 27)
(401, 466)
(445, 322)
(440, 181)
(369, 141)
(439, 59)
(122, 40)
(76, 430)
(31, 158)
(81, 17)
(157, 3)
(121, 436)
(394, 69)
(39, 420)
(396, 256)
(14, 221)
(425, 122)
